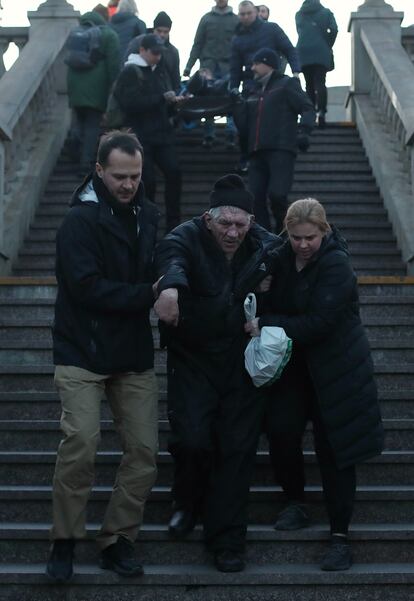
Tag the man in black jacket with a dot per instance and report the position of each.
(102, 343)
(209, 264)
(269, 119)
(142, 94)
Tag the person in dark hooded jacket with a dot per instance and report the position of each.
(102, 343)
(127, 25)
(317, 31)
(329, 379)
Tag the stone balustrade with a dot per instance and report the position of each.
(382, 104)
(34, 120)
(11, 35)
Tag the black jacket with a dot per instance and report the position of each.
(270, 117)
(248, 40)
(325, 321)
(211, 290)
(104, 287)
(140, 92)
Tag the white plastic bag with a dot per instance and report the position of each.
(266, 355)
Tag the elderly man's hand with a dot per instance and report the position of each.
(166, 307)
(252, 327)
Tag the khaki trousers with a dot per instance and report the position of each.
(133, 401)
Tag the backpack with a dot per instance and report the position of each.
(83, 47)
(115, 117)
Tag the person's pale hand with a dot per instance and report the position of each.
(252, 327)
(166, 307)
(265, 284)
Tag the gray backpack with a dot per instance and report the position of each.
(84, 47)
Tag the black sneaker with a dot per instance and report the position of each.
(338, 557)
(293, 517)
(59, 565)
(228, 560)
(120, 557)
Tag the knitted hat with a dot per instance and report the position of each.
(267, 57)
(230, 191)
(162, 20)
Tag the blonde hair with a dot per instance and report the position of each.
(307, 210)
(127, 6)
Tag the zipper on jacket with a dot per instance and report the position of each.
(259, 116)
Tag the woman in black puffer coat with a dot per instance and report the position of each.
(329, 378)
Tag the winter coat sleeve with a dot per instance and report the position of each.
(199, 41)
(82, 269)
(285, 46)
(172, 261)
(132, 94)
(236, 64)
(330, 297)
(332, 30)
(301, 105)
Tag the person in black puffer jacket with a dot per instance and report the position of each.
(126, 25)
(329, 379)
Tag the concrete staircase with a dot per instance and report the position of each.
(281, 565)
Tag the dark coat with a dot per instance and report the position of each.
(325, 321)
(248, 40)
(91, 88)
(140, 92)
(270, 117)
(317, 31)
(127, 26)
(211, 290)
(104, 288)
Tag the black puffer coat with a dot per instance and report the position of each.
(211, 290)
(325, 321)
(104, 287)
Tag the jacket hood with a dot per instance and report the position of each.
(122, 17)
(310, 6)
(92, 17)
(85, 194)
(227, 11)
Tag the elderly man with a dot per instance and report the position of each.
(208, 265)
(102, 343)
(269, 120)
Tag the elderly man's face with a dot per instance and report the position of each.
(229, 229)
(260, 69)
(247, 14)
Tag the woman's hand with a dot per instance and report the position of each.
(265, 284)
(252, 327)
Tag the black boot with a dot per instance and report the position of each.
(60, 563)
(339, 555)
(120, 557)
(228, 560)
(181, 523)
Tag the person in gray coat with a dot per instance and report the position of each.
(317, 31)
(212, 42)
(126, 24)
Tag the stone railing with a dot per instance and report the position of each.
(11, 35)
(382, 104)
(34, 119)
(407, 39)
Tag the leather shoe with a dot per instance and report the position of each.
(120, 557)
(227, 560)
(293, 517)
(60, 563)
(181, 523)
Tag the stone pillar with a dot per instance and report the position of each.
(371, 11)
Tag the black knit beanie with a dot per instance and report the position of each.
(230, 191)
(162, 20)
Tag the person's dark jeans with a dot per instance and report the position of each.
(271, 176)
(292, 403)
(315, 78)
(165, 158)
(84, 136)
